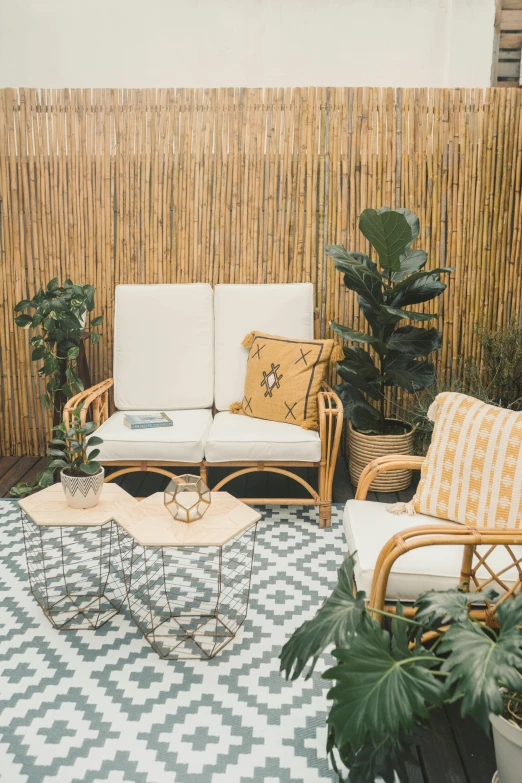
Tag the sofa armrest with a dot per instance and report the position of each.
(331, 414)
(97, 396)
(381, 464)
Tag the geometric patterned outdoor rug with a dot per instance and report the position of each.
(101, 706)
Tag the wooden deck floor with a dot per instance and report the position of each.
(459, 752)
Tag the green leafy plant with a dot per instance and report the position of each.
(68, 450)
(496, 379)
(58, 318)
(387, 682)
(415, 412)
(382, 295)
(499, 375)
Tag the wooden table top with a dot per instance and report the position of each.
(147, 521)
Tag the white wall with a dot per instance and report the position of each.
(262, 43)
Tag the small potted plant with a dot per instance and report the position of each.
(73, 453)
(393, 355)
(387, 682)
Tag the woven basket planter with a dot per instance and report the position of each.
(365, 448)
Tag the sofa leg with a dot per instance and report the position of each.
(203, 472)
(325, 513)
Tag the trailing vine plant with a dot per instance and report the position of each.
(58, 318)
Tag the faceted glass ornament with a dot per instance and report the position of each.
(187, 497)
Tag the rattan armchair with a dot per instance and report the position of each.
(476, 571)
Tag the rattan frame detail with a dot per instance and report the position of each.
(330, 411)
(449, 534)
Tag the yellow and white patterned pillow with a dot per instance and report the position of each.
(473, 471)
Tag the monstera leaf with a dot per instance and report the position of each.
(439, 607)
(478, 663)
(386, 759)
(390, 234)
(335, 623)
(373, 673)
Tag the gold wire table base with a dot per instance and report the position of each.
(189, 602)
(75, 573)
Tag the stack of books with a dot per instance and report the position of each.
(141, 421)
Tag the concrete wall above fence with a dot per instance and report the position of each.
(218, 43)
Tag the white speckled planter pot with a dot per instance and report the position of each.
(508, 750)
(83, 491)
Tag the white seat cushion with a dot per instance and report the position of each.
(368, 526)
(164, 347)
(232, 438)
(183, 442)
(281, 308)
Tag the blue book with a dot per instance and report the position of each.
(141, 421)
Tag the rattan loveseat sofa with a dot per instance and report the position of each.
(177, 349)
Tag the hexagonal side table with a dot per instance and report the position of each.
(74, 556)
(189, 584)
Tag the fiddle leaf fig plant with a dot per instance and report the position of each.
(383, 290)
(386, 683)
(57, 314)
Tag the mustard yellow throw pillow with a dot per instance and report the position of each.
(284, 377)
(473, 471)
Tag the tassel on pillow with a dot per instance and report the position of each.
(248, 342)
(309, 424)
(337, 354)
(236, 407)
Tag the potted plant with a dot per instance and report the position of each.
(507, 736)
(387, 682)
(397, 355)
(58, 318)
(81, 476)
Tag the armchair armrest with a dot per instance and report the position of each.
(331, 414)
(330, 409)
(379, 465)
(97, 396)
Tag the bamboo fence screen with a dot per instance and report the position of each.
(248, 185)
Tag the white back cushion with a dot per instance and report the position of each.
(163, 347)
(285, 309)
